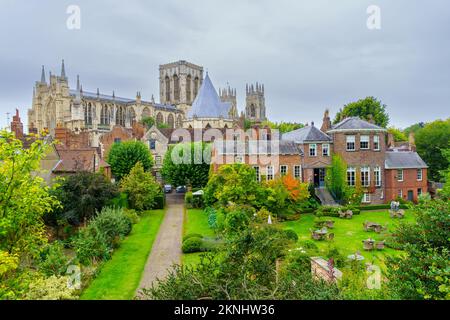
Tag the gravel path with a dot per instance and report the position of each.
(166, 249)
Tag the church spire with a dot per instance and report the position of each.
(63, 70)
(43, 75)
(78, 82)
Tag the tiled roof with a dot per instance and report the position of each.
(305, 134)
(403, 160)
(355, 123)
(207, 103)
(74, 160)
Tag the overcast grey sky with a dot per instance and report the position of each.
(310, 55)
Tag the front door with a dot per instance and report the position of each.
(319, 177)
(410, 195)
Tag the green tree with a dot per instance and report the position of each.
(413, 128)
(123, 157)
(81, 196)
(445, 192)
(282, 126)
(148, 122)
(430, 141)
(233, 183)
(423, 272)
(24, 197)
(141, 188)
(368, 108)
(398, 134)
(194, 166)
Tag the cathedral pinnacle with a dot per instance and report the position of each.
(43, 75)
(63, 70)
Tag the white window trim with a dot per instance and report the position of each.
(272, 173)
(376, 144)
(283, 165)
(398, 176)
(366, 198)
(378, 182)
(366, 139)
(315, 149)
(362, 171)
(327, 148)
(421, 174)
(351, 170)
(299, 172)
(400, 194)
(347, 142)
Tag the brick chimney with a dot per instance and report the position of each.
(412, 141)
(390, 141)
(17, 125)
(326, 123)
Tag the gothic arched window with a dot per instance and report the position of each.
(120, 116)
(132, 116)
(196, 83)
(252, 111)
(167, 80)
(170, 121)
(104, 115)
(145, 113)
(176, 88)
(188, 88)
(88, 114)
(159, 118)
(179, 121)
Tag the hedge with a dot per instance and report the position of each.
(380, 207)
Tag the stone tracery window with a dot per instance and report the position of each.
(170, 121)
(196, 86)
(176, 87)
(167, 80)
(159, 118)
(120, 116)
(104, 115)
(188, 88)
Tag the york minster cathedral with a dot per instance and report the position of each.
(187, 98)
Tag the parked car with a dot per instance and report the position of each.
(181, 189)
(167, 188)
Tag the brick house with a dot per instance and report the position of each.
(406, 175)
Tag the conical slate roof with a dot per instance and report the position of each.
(207, 104)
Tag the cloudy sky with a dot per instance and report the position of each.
(310, 55)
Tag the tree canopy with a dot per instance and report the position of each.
(368, 108)
(430, 141)
(398, 134)
(193, 170)
(123, 156)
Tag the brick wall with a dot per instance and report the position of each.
(359, 158)
(409, 183)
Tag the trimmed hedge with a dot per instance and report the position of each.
(291, 234)
(330, 211)
(160, 201)
(381, 207)
(192, 235)
(193, 201)
(192, 245)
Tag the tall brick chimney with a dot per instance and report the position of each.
(390, 140)
(412, 141)
(17, 125)
(326, 124)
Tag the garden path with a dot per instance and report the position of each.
(166, 249)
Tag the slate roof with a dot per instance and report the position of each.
(403, 160)
(75, 160)
(284, 148)
(110, 98)
(355, 123)
(305, 134)
(207, 103)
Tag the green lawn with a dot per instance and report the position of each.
(349, 233)
(119, 277)
(195, 221)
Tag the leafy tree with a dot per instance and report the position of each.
(398, 134)
(81, 195)
(298, 191)
(141, 188)
(233, 183)
(413, 128)
(24, 197)
(194, 167)
(123, 157)
(368, 108)
(445, 192)
(423, 272)
(430, 141)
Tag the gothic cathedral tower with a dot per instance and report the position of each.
(255, 108)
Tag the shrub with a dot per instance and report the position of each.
(309, 245)
(212, 217)
(338, 258)
(191, 245)
(52, 288)
(120, 201)
(193, 201)
(132, 215)
(160, 201)
(192, 235)
(53, 261)
(188, 197)
(103, 233)
(141, 188)
(291, 235)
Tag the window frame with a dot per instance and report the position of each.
(376, 143)
(285, 171)
(351, 176)
(366, 140)
(347, 142)
(377, 176)
(271, 175)
(326, 146)
(258, 173)
(365, 170)
(311, 149)
(299, 168)
(366, 198)
(421, 174)
(402, 175)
